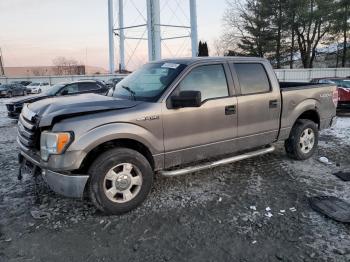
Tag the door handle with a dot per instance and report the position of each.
(273, 103)
(230, 110)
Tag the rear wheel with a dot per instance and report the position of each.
(39, 91)
(303, 140)
(24, 93)
(9, 94)
(120, 180)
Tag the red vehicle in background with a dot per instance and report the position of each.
(343, 89)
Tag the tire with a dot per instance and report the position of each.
(9, 94)
(24, 93)
(303, 140)
(103, 180)
(39, 91)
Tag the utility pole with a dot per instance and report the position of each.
(121, 36)
(153, 26)
(111, 36)
(2, 69)
(194, 32)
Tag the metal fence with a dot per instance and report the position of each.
(288, 75)
(58, 79)
(305, 75)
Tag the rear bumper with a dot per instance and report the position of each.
(63, 184)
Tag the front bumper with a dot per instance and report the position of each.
(13, 115)
(64, 184)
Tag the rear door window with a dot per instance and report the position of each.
(252, 78)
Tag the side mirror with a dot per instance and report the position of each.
(187, 99)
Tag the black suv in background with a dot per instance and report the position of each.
(10, 90)
(14, 107)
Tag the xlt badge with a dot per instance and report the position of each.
(145, 118)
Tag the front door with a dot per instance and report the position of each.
(197, 133)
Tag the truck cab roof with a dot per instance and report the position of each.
(193, 60)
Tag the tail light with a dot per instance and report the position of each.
(335, 97)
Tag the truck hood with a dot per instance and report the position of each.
(51, 110)
(28, 99)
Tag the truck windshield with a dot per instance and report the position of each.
(148, 83)
(53, 90)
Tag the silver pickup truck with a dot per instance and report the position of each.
(170, 117)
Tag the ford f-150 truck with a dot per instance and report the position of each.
(170, 117)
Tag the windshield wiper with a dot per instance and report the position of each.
(132, 93)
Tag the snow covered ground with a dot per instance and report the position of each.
(253, 210)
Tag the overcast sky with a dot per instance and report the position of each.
(34, 32)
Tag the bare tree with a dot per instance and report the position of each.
(37, 72)
(219, 47)
(64, 66)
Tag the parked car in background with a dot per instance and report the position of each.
(14, 107)
(10, 90)
(168, 117)
(343, 85)
(113, 81)
(24, 83)
(38, 87)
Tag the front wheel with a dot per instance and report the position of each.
(25, 93)
(120, 180)
(303, 140)
(9, 94)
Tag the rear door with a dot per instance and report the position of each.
(259, 105)
(197, 133)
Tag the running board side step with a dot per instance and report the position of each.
(224, 161)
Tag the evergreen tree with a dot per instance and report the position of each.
(341, 26)
(203, 49)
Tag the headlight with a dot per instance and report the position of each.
(54, 143)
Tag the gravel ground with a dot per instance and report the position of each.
(254, 210)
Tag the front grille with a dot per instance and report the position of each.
(14, 109)
(28, 132)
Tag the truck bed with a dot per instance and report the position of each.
(296, 94)
(286, 86)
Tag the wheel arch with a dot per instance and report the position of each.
(310, 114)
(95, 152)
